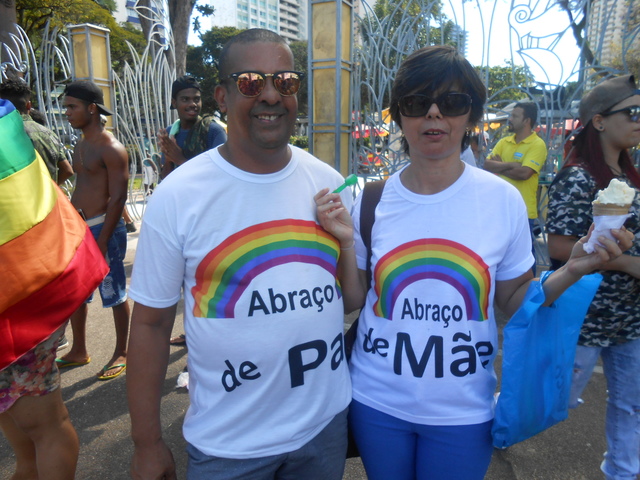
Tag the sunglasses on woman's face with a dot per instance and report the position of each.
(251, 84)
(633, 112)
(450, 104)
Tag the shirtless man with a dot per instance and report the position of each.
(101, 164)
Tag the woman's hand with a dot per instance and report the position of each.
(334, 217)
(581, 263)
(336, 220)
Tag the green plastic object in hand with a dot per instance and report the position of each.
(350, 180)
(174, 128)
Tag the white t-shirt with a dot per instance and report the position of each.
(263, 311)
(427, 334)
(467, 157)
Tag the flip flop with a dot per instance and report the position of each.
(179, 341)
(62, 363)
(106, 368)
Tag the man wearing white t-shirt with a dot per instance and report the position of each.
(269, 386)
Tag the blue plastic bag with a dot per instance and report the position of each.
(539, 348)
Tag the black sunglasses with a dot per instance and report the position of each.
(450, 104)
(251, 84)
(633, 112)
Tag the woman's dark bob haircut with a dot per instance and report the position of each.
(435, 70)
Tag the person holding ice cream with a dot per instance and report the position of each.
(422, 361)
(599, 160)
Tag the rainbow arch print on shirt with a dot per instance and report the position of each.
(226, 272)
(435, 258)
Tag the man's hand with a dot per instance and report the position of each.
(154, 462)
(103, 244)
(495, 164)
(168, 146)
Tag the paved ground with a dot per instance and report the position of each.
(571, 450)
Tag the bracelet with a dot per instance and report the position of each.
(349, 248)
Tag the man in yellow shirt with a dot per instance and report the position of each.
(518, 158)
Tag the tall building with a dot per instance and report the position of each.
(126, 12)
(286, 17)
(132, 15)
(610, 22)
(292, 20)
(460, 36)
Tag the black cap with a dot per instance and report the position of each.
(89, 92)
(183, 83)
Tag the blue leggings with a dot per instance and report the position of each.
(394, 448)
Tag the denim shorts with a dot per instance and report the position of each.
(322, 458)
(113, 289)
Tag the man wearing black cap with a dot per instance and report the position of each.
(191, 134)
(102, 168)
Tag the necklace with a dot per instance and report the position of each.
(81, 155)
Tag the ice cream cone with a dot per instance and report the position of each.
(600, 209)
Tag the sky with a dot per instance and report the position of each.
(541, 41)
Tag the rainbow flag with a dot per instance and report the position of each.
(49, 261)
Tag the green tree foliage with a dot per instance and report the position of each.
(205, 11)
(33, 15)
(395, 29)
(120, 35)
(507, 83)
(202, 62)
(627, 58)
(425, 13)
(631, 63)
(422, 18)
(179, 17)
(300, 52)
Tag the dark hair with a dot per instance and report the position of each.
(587, 153)
(17, 92)
(530, 110)
(38, 117)
(89, 93)
(182, 83)
(430, 69)
(253, 35)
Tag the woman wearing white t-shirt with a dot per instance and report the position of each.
(448, 240)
